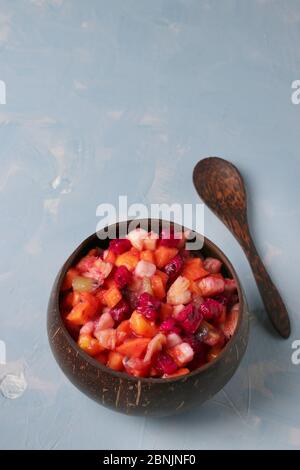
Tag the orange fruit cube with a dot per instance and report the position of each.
(141, 326)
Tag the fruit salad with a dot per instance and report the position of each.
(148, 307)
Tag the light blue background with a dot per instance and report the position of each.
(124, 97)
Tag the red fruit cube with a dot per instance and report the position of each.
(192, 321)
(211, 286)
(211, 309)
(165, 364)
(136, 367)
(122, 277)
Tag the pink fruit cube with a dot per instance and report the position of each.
(155, 346)
(182, 354)
(212, 265)
(145, 269)
(105, 321)
(173, 339)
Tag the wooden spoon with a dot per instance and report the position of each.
(221, 187)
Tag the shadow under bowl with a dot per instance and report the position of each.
(143, 396)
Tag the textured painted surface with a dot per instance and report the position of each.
(108, 98)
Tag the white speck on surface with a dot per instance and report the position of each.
(56, 182)
(51, 205)
(13, 386)
(78, 85)
(115, 115)
(11, 171)
(153, 120)
(174, 28)
(272, 252)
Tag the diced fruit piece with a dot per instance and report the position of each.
(211, 309)
(165, 364)
(230, 285)
(210, 335)
(71, 274)
(112, 297)
(155, 346)
(178, 373)
(163, 276)
(193, 269)
(146, 286)
(197, 300)
(107, 338)
(212, 265)
(178, 292)
(137, 238)
(86, 263)
(132, 298)
(169, 326)
(173, 339)
(174, 267)
(83, 284)
(127, 259)
(109, 256)
(166, 311)
(109, 282)
(87, 328)
(89, 344)
(105, 321)
(192, 321)
(133, 347)
(181, 353)
(196, 343)
(141, 326)
(150, 241)
(102, 267)
(148, 255)
(84, 310)
(148, 306)
(177, 309)
(136, 367)
(213, 353)
(122, 277)
(102, 357)
(119, 246)
(231, 321)
(115, 361)
(181, 314)
(158, 287)
(120, 311)
(194, 288)
(123, 331)
(211, 286)
(163, 255)
(145, 269)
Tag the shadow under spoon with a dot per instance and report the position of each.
(221, 187)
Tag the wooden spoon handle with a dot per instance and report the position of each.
(271, 298)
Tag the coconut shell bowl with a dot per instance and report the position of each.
(131, 395)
